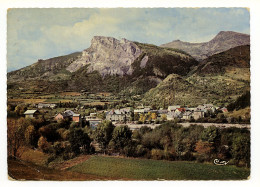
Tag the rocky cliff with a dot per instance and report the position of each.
(108, 56)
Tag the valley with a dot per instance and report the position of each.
(168, 109)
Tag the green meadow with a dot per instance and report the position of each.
(145, 169)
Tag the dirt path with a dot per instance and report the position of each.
(72, 162)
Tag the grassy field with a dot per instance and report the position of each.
(21, 170)
(30, 101)
(144, 169)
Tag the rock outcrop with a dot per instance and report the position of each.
(108, 56)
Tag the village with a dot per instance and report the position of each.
(135, 118)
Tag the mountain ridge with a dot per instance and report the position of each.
(223, 41)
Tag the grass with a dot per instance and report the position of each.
(34, 156)
(30, 101)
(20, 170)
(53, 100)
(144, 169)
(237, 113)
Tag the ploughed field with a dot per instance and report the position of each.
(144, 169)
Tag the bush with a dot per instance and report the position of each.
(49, 131)
(141, 151)
(51, 158)
(44, 145)
(157, 154)
(188, 156)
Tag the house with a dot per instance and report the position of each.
(46, 105)
(76, 118)
(191, 109)
(142, 109)
(123, 114)
(224, 110)
(187, 115)
(68, 114)
(162, 112)
(32, 114)
(174, 115)
(173, 108)
(180, 110)
(93, 120)
(198, 114)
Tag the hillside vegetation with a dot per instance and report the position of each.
(219, 79)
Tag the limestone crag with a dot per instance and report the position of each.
(108, 56)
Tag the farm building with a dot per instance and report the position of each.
(32, 114)
(68, 114)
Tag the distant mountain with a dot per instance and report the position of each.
(219, 79)
(223, 41)
(163, 75)
(108, 65)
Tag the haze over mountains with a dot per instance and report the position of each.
(123, 66)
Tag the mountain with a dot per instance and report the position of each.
(237, 57)
(108, 56)
(223, 41)
(107, 65)
(218, 79)
(53, 68)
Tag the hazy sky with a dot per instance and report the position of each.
(34, 34)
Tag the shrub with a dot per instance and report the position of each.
(157, 154)
(44, 145)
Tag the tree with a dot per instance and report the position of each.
(241, 148)
(43, 144)
(136, 116)
(204, 147)
(121, 137)
(154, 116)
(30, 135)
(20, 109)
(148, 117)
(80, 141)
(15, 137)
(210, 134)
(142, 118)
(164, 117)
(103, 134)
(50, 132)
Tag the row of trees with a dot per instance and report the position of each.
(171, 141)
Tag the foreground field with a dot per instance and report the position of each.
(20, 170)
(144, 169)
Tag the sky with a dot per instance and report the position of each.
(36, 33)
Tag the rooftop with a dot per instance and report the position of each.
(30, 112)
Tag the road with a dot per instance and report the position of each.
(134, 126)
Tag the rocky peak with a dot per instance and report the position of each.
(231, 35)
(108, 56)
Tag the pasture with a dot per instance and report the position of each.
(145, 169)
